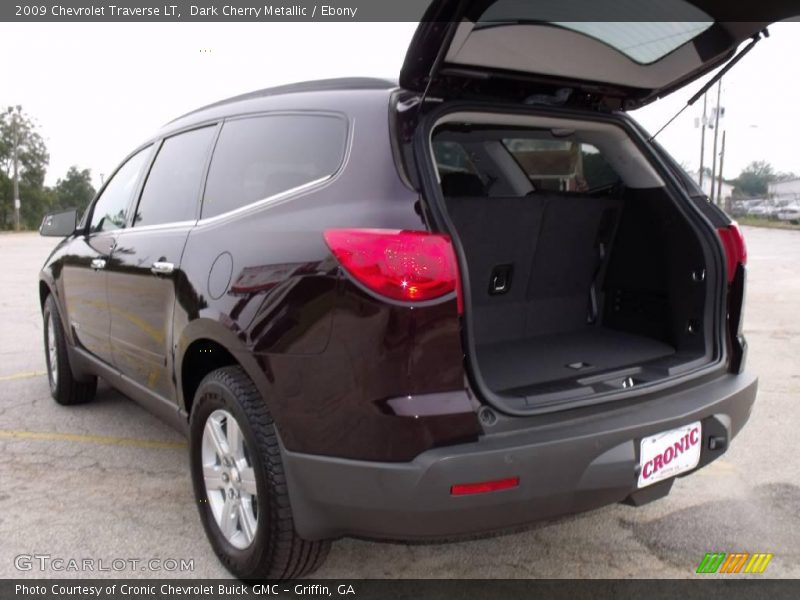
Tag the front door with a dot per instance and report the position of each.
(86, 262)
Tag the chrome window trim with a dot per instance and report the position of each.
(268, 201)
(159, 226)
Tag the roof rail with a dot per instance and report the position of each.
(319, 85)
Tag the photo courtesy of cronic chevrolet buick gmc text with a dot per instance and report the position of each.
(453, 305)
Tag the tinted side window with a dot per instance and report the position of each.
(259, 157)
(173, 185)
(452, 157)
(109, 210)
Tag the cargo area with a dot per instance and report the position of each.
(583, 276)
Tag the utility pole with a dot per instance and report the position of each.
(716, 134)
(15, 142)
(703, 139)
(721, 159)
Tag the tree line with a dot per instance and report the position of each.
(74, 190)
(754, 180)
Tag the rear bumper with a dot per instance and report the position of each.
(564, 468)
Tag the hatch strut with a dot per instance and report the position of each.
(720, 74)
(443, 48)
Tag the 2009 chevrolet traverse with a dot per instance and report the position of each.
(456, 305)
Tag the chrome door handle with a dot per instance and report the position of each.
(98, 263)
(162, 268)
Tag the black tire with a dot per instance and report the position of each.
(64, 388)
(276, 550)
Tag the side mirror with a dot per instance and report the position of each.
(59, 224)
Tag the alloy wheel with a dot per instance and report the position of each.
(230, 479)
(52, 352)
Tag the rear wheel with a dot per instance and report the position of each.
(240, 485)
(64, 388)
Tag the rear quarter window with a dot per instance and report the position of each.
(259, 157)
(452, 157)
(562, 165)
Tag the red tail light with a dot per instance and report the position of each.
(481, 487)
(410, 266)
(735, 250)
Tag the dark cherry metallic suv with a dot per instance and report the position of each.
(456, 305)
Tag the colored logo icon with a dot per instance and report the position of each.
(737, 562)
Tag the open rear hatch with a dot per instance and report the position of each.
(620, 54)
(584, 275)
(586, 271)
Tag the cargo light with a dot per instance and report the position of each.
(410, 266)
(481, 487)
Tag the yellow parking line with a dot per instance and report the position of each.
(89, 439)
(24, 375)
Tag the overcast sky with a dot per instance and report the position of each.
(97, 90)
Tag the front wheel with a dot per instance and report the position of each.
(240, 485)
(64, 388)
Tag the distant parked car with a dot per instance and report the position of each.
(741, 208)
(762, 210)
(790, 213)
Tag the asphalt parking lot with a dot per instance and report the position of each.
(107, 481)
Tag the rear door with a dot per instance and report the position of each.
(620, 54)
(144, 275)
(84, 274)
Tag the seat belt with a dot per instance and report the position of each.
(602, 243)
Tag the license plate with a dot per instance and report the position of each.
(670, 453)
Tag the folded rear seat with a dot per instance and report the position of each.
(547, 245)
(572, 249)
(499, 236)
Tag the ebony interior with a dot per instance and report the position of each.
(630, 250)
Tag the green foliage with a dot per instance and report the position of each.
(74, 191)
(32, 158)
(35, 202)
(755, 178)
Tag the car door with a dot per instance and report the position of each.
(144, 273)
(84, 267)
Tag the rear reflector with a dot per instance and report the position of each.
(735, 250)
(411, 266)
(481, 487)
